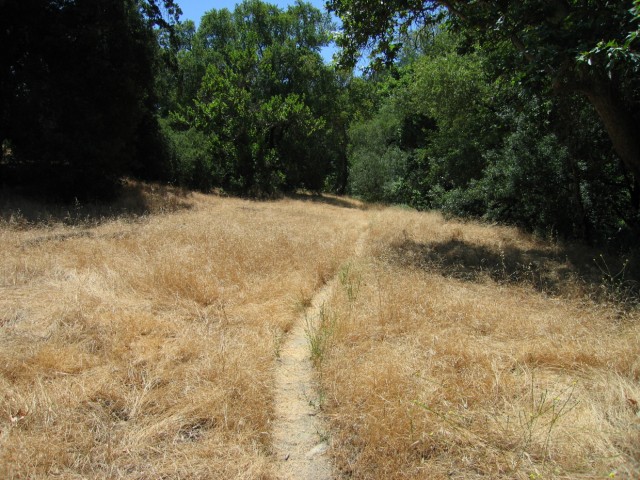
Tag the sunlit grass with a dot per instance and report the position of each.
(436, 372)
(143, 345)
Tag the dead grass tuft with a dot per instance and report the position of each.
(135, 200)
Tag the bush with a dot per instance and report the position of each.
(527, 181)
(191, 164)
(376, 161)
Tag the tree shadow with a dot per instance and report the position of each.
(325, 199)
(135, 199)
(556, 271)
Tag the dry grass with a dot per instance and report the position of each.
(140, 340)
(135, 200)
(144, 346)
(459, 369)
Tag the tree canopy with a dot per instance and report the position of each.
(520, 112)
(253, 85)
(550, 36)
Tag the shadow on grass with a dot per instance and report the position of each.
(558, 271)
(331, 200)
(135, 199)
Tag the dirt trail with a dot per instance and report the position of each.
(300, 439)
(298, 432)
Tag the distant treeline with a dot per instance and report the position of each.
(527, 114)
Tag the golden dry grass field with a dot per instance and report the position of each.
(141, 342)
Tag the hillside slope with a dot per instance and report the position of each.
(146, 346)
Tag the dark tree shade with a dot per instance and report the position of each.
(76, 92)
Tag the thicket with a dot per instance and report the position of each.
(77, 103)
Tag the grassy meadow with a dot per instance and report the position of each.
(478, 352)
(140, 341)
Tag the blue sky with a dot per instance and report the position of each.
(194, 9)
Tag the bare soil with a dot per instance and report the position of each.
(300, 441)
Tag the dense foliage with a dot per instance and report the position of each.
(452, 133)
(529, 110)
(252, 85)
(519, 112)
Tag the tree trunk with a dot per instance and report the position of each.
(619, 123)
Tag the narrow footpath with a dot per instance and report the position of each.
(299, 434)
(299, 439)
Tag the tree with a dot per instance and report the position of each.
(376, 160)
(551, 37)
(253, 81)
(76, 80)
(454, 91)
(446, 132)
